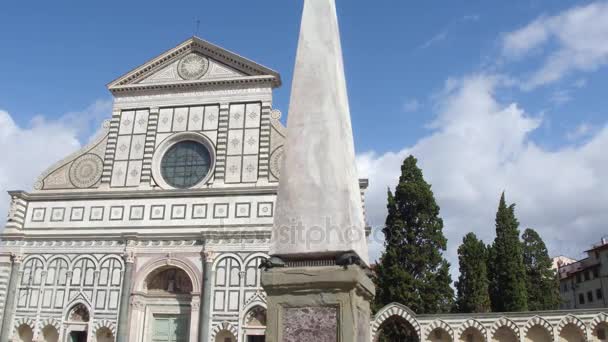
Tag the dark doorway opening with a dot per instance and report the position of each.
(78, 336)
(256, 338)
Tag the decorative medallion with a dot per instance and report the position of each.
(86, 171)
(193, 66)
(276, 159)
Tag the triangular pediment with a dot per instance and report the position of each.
(194, 62)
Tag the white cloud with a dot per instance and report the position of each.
(441, 36)
(480, 147)
(28, 151)
(411, 105)
(579, 35)
(580, 131)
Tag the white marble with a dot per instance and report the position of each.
(319, 187)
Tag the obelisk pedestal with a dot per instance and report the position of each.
(318, 304)
(315, 280)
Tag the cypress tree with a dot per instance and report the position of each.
(505, 264)
(412, 269)
(472, 285)
(542, 282)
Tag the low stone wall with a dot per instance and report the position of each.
(540, 326)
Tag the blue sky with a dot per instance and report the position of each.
(417, 72)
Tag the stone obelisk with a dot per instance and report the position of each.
(315, 281)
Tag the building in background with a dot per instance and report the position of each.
(584, 283)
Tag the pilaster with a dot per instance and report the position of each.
(122, 330)
(206, 298)
(11, 294)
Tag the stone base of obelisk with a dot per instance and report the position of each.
(318, 304)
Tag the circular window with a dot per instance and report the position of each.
(185, 164)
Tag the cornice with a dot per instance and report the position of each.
(191, 85)
(136, 194)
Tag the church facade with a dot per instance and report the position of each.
(155, 231)
(162, 220)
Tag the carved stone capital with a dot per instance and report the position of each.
(137, 303)
(129, 257)
(16, 258)
(209, 256)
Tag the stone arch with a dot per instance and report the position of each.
(23, 321)
(224, 326)
(538, 321)
(253, 256)
(76, 260)
(104, 334)
(597, 320)
(248, 312)
(104, 323)
(507, 323)
(473, 324)
(183, 264)
(574, 322)
(61, 257)
(439, 324)
(228, 255)
(23, 333)
(49, 333)
(395, 310)
(75, 303)
(52, 322)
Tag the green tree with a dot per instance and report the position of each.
(542, 282)
(412, 269)
(472, 285)
(505, 265)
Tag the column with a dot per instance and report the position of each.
(11, 294)
(125, 299)
(205, 305)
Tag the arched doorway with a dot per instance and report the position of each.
(396, 329)
(254, 324)
(77, 323)
(166, 305)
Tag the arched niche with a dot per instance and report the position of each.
(571, 333)
(504, 334)
(50, 334)
(254, 324)
(472, 334)
(25, 333)
(538, 333)
(396, 328)
(225, 336)
(168, 281)
(104, 334)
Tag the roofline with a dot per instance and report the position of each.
(205, 45)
